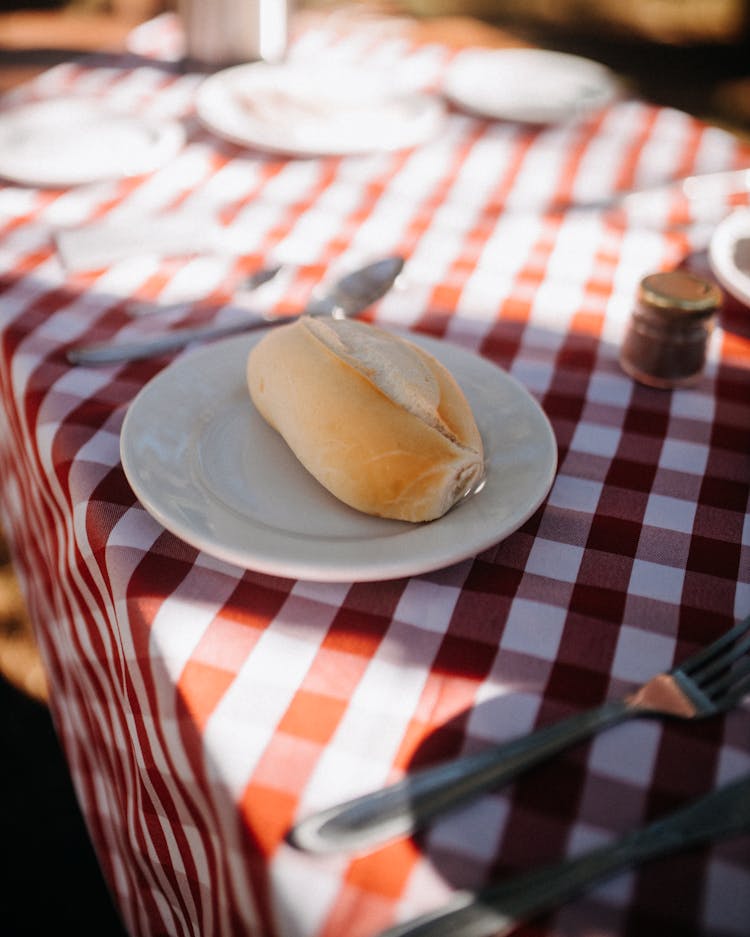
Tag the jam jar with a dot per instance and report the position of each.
(665, 343)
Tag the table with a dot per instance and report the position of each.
(203, 707)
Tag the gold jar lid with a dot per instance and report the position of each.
(680, 293)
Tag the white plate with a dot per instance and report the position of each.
(528, 85)
(729, 254)
(68, 141)
(204, 463)
(296, 110)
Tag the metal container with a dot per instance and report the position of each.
(227, 32)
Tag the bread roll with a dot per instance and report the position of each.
(378, 421)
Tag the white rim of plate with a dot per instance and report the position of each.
(722, 252)
(477, 82)
(151, 142)
(219, 109)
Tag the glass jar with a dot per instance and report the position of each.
(665, 344)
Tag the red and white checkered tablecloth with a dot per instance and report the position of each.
(203, 707)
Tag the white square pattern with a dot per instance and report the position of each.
(656, 581)
(575, 494)
(670, 513)
(595, 439)
(504, 717)
(610, 388)
(684, 456)
(427, 605)
(640, 654)
(626, 752)
(556, 560)
(534, 628)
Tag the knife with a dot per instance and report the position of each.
(497, 910)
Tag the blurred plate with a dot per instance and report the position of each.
(205, 464)
(528, 85)
(729, 254)
(296, 110)
(73, 140)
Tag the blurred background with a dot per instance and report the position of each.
(690, 54)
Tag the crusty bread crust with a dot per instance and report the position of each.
(364, 446)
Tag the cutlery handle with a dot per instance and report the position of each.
(118, 352)
(375, 818)
(497, 910)
(350, 296)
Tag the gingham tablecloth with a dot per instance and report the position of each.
(203, 707)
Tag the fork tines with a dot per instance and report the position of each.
(716, 667)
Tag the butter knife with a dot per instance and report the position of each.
(498, 909)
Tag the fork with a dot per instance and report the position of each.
(706, 684)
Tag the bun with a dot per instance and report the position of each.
(378, 421)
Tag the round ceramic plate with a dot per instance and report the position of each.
(69, 141)
(204, 463)
(295, 110)
(729, 254)
(528, 85)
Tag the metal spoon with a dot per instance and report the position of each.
(349, 296)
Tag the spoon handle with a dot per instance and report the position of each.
(350, 296)
(118, 352)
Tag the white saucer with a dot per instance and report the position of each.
(729, 254)
(533, 86)
(204, 463)
(69, 141)
(295, 109)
